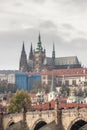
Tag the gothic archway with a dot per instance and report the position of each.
(10, 124)
(76, 124)
(38, 124)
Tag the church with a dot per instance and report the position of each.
(38, 61)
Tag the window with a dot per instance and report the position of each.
(59, 83)
(67, 82)
(74, 82)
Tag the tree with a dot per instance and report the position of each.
(19, 101)
(64, 90)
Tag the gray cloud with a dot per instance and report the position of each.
(57, 20)
(68, 26)
(48, 25)
(39, 1)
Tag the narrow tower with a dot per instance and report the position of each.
(39, 55)
(39, 44)
(23, 60)
(31, 53)
(53, 56)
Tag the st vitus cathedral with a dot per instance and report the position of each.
(38, 60)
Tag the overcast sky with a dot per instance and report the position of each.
(63, 22)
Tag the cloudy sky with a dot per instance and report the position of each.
(63, 22)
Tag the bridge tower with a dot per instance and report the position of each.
(58, 116)
(1, 121)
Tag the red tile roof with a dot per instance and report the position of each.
(67, 72)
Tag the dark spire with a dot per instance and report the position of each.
(39, 38)
(31, 53)
(23, 48)
(39, 44)
(53, 53)
(23, 60)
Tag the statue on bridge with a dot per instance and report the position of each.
(55, 125)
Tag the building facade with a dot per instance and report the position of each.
(68, 77)
(38, 60)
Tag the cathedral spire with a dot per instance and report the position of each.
(39, 44)
(23, 47)
(23, 60)
(39, 38)
(53, 54)
(31, 53)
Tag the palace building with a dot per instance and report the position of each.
(38, 60)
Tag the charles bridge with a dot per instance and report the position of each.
(36, 119)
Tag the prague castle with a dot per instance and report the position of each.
(38, 60)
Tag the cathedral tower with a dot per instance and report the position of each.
(23, 60)
(31, 53)
(39, 55)
(53, 55)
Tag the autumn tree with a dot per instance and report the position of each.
(19, 101)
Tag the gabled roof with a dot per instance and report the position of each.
(62, 60)
(66, 60)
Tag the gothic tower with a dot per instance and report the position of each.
(31, 53)
(39, 55)
(53, 55)
(23, 60)
(30, 59)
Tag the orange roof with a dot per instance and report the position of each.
(32, 95)
(67, 72)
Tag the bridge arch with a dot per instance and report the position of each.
(11, 122)
(38, 124)
(77, 123)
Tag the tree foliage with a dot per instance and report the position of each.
(64, 90)
(20, 100)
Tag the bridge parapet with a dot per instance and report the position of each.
(69, 117)
(11, 118)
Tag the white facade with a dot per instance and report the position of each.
(3, 77)
(11, 78)
(52, 96)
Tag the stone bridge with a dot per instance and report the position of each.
(71, 118)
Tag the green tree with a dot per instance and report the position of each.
(64, 90)
(19, 101)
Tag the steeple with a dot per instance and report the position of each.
(31, 53)
(39, 38)
(23, 60)
(23, 48)
(53, 55)
(53, 52)
(39, 44)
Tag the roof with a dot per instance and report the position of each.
(67, 72)
(32, 95)
(72, 60)
(66, 60)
